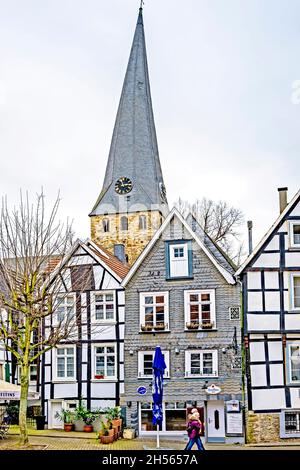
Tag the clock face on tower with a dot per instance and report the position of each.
(123, 185)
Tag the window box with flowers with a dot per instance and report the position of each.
(207, 325)
(146, 327)
(192, 325)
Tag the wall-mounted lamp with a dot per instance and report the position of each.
(177, 351)
(128, 403)
(131, 352)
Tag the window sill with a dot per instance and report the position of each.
(179, 278)
(103, 322)
(154, 331)
(97, 381)
(187, 330)
(201, 377)
(62, 381)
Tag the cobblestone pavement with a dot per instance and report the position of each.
(74, 443)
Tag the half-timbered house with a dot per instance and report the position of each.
(271, 301)
(89, 365)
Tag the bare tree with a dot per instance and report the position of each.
(30, 242)
(220, 221)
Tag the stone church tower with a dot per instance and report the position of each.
(132, 203)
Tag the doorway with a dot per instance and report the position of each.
(215, 421)
(55, 423)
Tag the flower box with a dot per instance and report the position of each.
(192, 326)
(207, 326)
(160, 326)
(146, 327)
(98, 376)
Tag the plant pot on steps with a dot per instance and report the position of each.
(68, 427)
(88, 428)
(107, 439)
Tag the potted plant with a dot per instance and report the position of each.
(114, 414)
(146, 327)
(207, 325)
(87, 416)
(193, 325)
(160, 326)
(67, 417)
(106, 437)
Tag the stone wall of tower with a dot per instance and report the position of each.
(134, 239)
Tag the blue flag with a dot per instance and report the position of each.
(158, 367)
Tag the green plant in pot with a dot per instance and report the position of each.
(87, 416)
(114, 414)
(67, 417)
(107, 434)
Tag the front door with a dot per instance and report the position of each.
(215, 421)
(55, 423)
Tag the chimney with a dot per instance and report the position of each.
(119, 252)
(250, 226)
(282, 198)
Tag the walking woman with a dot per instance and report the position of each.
(194, 428)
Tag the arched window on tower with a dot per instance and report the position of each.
(124, 223)
(142, 222)
(105, 224)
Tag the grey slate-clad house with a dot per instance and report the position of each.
(271, 300)
(90, 363)
(181, 294)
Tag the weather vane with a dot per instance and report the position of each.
(142, 4)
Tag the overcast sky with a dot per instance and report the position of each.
(221, 74)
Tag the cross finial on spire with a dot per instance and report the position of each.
(142, 4)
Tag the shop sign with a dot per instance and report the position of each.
(141, 390)
(213, 389)
(7, 395)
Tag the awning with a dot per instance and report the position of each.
(9, 391)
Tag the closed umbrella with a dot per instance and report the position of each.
(158, 367)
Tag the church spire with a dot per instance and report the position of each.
(133, 175)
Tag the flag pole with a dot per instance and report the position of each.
(157, 436)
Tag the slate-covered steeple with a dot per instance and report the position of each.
(133, 180)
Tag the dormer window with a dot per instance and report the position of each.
(295, 234)
(179, 259)
(105, 224)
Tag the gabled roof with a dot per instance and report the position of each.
(134, 150)
(214, 248)
(270, 232)
(175, 213)
(103, 257)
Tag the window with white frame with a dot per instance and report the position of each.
(295, 291)
(145, 360)
(103, 306)
(295, 234)
(201, 363)
(294, 362)
(65, 363)
(200, 309)
(65, 310)
(154, 311)
(179, 260)
(104, 362)
(292, 422)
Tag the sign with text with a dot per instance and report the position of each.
(234, 423)
(9, 395)
(213, 389)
